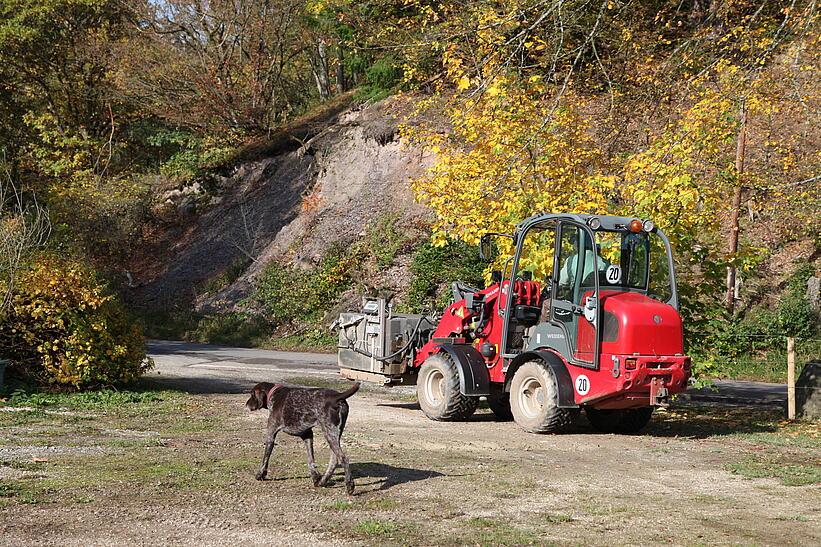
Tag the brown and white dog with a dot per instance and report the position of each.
(296, 411)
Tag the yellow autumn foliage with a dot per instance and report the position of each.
(65, 329)
(501, 163)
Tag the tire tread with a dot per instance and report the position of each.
(555, 420)
(459, 407)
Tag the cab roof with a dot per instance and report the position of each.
(607, 222)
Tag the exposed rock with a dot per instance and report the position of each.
(808, 392)
(814, 292)
(290, 206)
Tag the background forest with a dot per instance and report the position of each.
(700, 114)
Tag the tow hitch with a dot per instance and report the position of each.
(659, 396)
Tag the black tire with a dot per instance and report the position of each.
(534, 399)
(619, 421)
(499, 403)
(604, 420)
(635, 419)
(437, 388)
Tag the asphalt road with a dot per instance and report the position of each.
(203, 368)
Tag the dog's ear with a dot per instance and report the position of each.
(258, 398)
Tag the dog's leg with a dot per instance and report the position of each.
(337, 455)
(349, 486)
(309, 448)
(269, 447)
(343, 418)
(328, 472)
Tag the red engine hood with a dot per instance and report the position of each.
(634, 323)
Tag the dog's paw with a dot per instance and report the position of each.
(261, 475)
(349, 488)
(315, 478)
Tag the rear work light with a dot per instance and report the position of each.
(630, 364)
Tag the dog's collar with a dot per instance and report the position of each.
(272, 390)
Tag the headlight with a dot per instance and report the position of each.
(648, 226)
(594, 223)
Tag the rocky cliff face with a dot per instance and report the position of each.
(291, 205)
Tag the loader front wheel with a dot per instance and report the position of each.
(437, 388)
(534, 400)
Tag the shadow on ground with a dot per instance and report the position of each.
(387, 476)
(699, 422)
(199, 387)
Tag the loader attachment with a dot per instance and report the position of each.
(377, 345)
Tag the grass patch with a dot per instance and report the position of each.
(768, 445)
(793, 518)
(88, 400)
(789, 473)
(484, 531)
(381, 504)
(375, 528)
(23, 492)
(22, 465)
(558, 518)
(318, 339)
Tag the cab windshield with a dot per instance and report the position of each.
(631, 261)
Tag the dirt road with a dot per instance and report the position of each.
(207, 368)
(178, 469)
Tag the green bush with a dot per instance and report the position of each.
(188, 155)
(435, 268)
(287, 294)
(232, 329)
(62, 328)
(753, 345)
(382, 242)
(381, 78)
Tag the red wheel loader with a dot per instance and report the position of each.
(583, 316)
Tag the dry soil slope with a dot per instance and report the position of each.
(291, 206)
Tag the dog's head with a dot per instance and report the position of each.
(259, 396)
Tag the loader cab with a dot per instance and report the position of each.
(579, 262)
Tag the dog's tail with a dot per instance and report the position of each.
(347, 393)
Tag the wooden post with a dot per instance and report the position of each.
(790, 378)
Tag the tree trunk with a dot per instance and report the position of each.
(340, 68)
(320, 68)
(732, 243)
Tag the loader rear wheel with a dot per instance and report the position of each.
(437, 388)
(619, 421)
(499, 403)
(534, 400)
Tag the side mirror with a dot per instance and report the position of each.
(486, 248)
